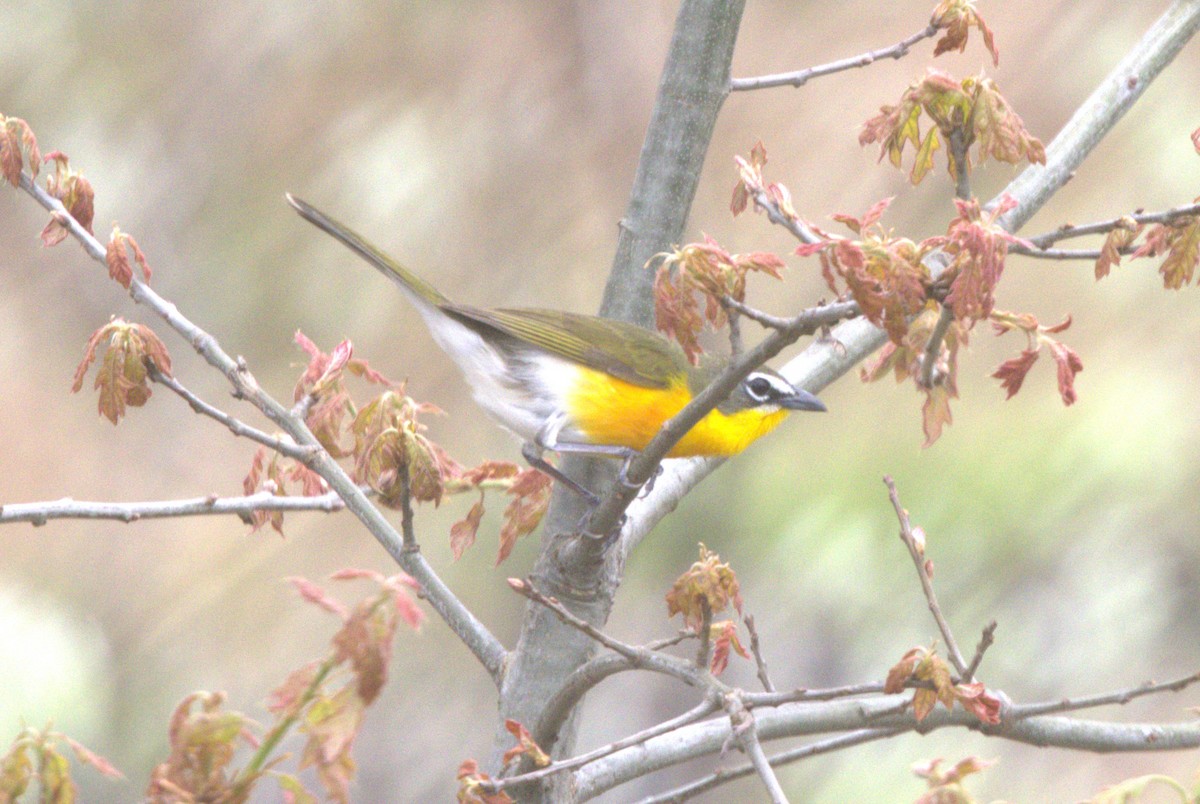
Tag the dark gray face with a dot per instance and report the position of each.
(767, 389)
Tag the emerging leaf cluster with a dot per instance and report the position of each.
(946, 786)
(1178, 239)
(935, 684)
(1011, 372)
(391, 452)
(706, 588)
(957, 18)
(325, 701)
(884, 274)
(963, 113)
(703, 271)
(34, 758)
(123, 378)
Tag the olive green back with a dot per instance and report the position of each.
(624, 350)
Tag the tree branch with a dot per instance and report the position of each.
(691, 91)
(1090, 702)
(721, 777)
(1067, 230)
(236, 426)
(743, 729)
(39, 513)
(879, 717)
(801, 77)
(698, 712)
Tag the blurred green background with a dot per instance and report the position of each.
(492, 146)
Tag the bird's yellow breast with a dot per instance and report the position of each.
(610, 411)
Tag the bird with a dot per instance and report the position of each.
(575, 383)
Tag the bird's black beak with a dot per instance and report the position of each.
(802, 400)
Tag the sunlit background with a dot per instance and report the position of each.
(492, 146)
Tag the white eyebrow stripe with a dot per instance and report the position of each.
(779, 386)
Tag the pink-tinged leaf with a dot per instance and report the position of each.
(809, 249)
(462, 533)
(1069, 364)
(1196, 140)
(531, 496)
(356, 574)
(409, 611)
(1119, 238)
(307, 345)
(935, 413)
(725, 642)
(288, 697)
(875, 212)
(526, 746)
(315, 594)
(1011, 372)
(976, 700)
(89, 757)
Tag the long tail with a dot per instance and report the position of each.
(413, 285)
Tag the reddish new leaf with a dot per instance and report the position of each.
(76, 194)
(978, 701)
(956, 18)
(471, 782)
(531, 496)
(1011, 372)
(289, 697)
(1069, 364)
(526, 746)
(18, 146)
(1121, 236)
(935, 413)
(462, 533)
(725, 641)
(123, 378)
(117, 258)
(316, 594)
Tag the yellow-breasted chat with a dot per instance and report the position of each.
(568, 382)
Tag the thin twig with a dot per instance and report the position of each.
(801, 77)
(702, 785)
(39, 513)
(1119, 697)
(741, 721)
(917, 553)
(985, 642)
(827, 314)
(933, 349)
(704, 649)
(777, 216)
(1065, 253)
(643, 658)
(735, 332)
(826, 694)
(696, 713)
(1043, 241)
(960, 157)
(756, 650)
(236, 426)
